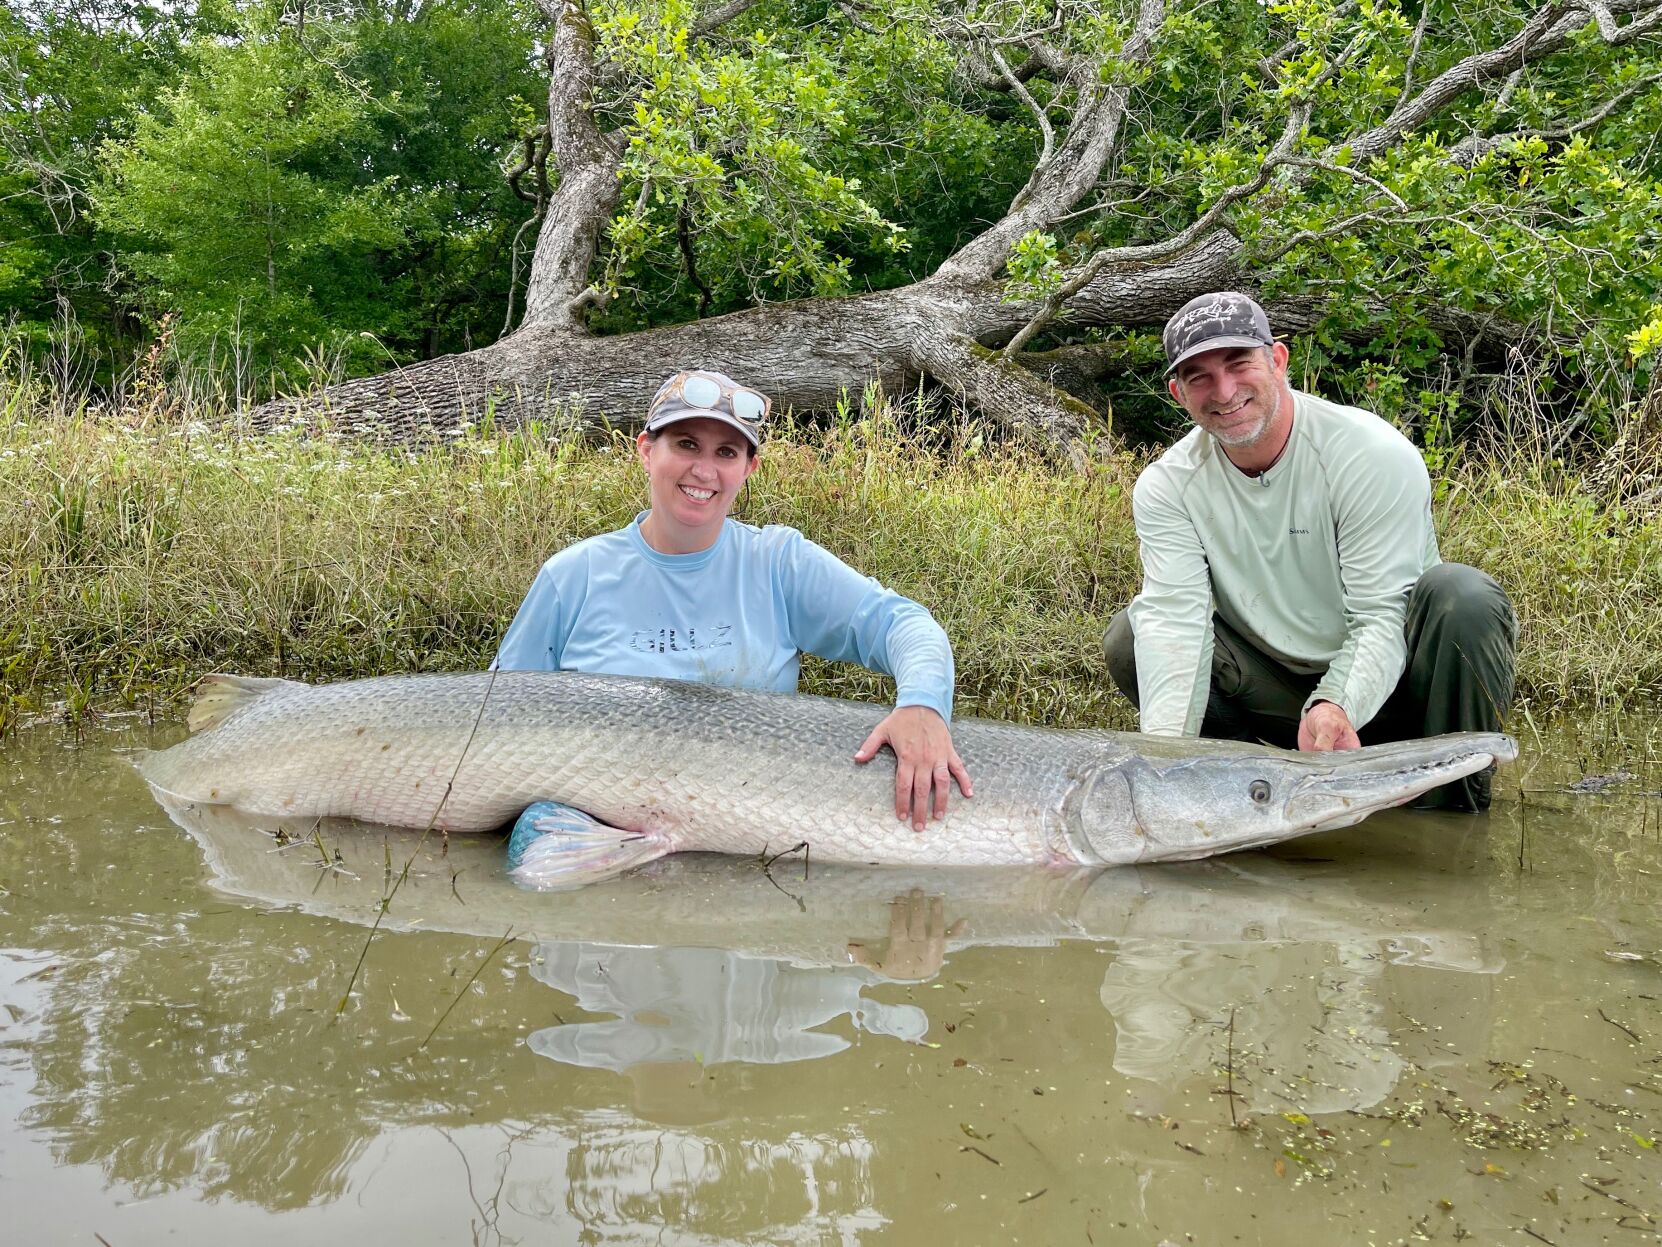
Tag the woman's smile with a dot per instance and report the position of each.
(694, 470)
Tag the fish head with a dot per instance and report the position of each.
(1192, 798)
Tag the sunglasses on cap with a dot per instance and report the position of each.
(706, 393)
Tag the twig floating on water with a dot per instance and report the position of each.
(1599, 1190)
(970, 1147)
(800, 904)
(1229, 1072)
(1624, 1030)
(801, 846)
(507, 938)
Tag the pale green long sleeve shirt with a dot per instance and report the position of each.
(1311, 562)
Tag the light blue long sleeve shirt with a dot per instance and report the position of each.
(738, 614)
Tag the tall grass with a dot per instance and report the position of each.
(140, 547)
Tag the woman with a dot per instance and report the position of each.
(687, 593)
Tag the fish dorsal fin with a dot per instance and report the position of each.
(219, 696)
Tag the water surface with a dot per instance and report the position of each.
(1428, 1027)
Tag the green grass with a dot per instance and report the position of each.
(140, 548)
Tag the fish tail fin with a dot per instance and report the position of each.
(555, 846)
(219, 696)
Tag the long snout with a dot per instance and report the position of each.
(1377, 777)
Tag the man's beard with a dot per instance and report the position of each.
(1247, 434)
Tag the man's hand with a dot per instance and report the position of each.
(925, 762)
(1326, 726)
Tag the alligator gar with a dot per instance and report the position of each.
(662, 766)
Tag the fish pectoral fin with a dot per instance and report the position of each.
(557, 846)
(219, 696)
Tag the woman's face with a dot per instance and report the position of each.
(694, 470)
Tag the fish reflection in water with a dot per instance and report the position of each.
(707, 1005)
(1306, 990)
(708, 960)
(819, 1187)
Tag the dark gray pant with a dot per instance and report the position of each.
(1462, 645)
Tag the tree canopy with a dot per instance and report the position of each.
(282, 182)
(1000, 197)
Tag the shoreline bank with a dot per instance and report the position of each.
(143, 553)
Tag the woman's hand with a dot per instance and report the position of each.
(917, 939)
(925, 762)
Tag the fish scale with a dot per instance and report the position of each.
(673, 766)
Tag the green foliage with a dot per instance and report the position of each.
(330, 191)
(1559, 233)
(73, 75)
(226, 193)
(1645, 341)
(795, 156)
(337, 196)
(1033, 267)
(334, 187)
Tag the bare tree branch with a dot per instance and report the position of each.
(684, 240)
(1414, 54)
(1042, 58)
(1026, 97)
(851, 11)
(537, 144)
(1337, 229)
(1154, 252)
(719, 17)
(1469, 150)
(1547, 30)
(1074, 166)
(1015, 397)
(1647, 16)
(1310, 162)
(1605, 19)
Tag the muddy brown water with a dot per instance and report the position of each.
(1427, 1027)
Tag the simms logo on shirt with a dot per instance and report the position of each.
(679, 641)
(1298, 532)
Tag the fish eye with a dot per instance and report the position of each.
(1259, 791)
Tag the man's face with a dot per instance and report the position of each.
(1234, 393)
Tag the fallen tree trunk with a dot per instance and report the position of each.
(807, 354)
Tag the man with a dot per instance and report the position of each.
(1292, 589)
